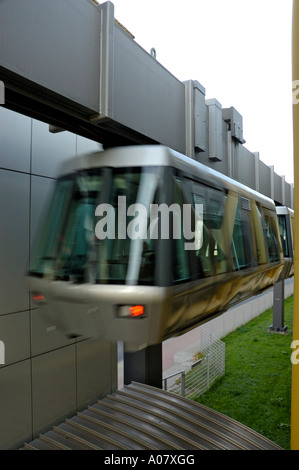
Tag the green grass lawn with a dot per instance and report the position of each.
(256, 388)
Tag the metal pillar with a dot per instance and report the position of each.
(144, 366)
(278, 309)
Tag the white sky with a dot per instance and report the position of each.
(239, 50)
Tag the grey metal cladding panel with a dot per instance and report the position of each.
(45, 336)
(14, 241)
(53, 387)
(277, 188)
(147, 97)
(15, 139)
(86, 145)
(63, 36)
(288, 192)
(265, 179)
(41, 192)
(215, 129)
(219, 165)
(15, 334)
(200, 118)
(246, 167)
(50, 150)
(15, 405)
(93, 355)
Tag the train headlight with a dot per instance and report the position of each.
(130, 311)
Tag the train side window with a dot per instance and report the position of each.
(292, 247)
(238, 245)
(78, 232)
(203, 251)
(211, 257)
(243, 242)
(271, 234)
(65, 241)
(129, 255)
(260, 248)
(283, 235)
(216, 208)
(181, 265)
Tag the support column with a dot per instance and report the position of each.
(278, 309)
(144, 366)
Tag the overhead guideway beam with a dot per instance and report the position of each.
(69, 63)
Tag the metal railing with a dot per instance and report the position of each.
(203, 372)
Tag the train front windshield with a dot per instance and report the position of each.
(97, 228)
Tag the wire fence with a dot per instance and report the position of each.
(209, 366)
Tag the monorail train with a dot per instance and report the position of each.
(141, 244)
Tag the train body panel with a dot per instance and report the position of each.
(99, 311)
(142, 243)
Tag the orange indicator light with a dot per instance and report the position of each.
(136, 310)
(38, 297)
